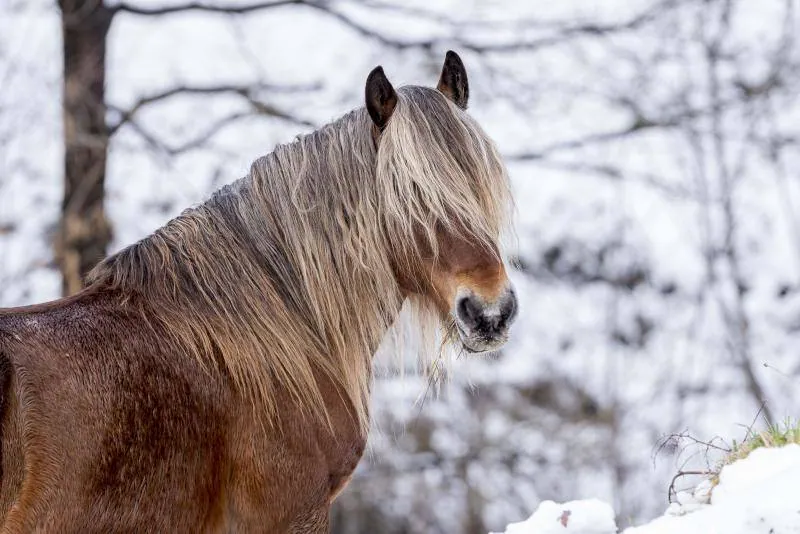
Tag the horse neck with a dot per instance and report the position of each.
(344, 297)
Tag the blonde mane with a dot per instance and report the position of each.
(291, 271)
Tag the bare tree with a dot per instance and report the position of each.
(84, 230)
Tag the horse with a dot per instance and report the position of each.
(214, 377)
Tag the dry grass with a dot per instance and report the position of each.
(776, 435)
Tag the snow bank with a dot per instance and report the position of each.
(591, 516)
(756, 495)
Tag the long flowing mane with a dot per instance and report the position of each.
(291, 271)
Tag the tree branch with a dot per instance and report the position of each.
(618, 173)
(560, 34)
(258, 108)
(125, 7)
(321, 5)
(245, 91)
(639, 123)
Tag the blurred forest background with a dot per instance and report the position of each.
(653, 149)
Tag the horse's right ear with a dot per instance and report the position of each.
(380, 97)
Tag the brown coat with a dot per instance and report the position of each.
(105, 430)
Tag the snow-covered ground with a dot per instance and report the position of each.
(756, 495)
(589, 516)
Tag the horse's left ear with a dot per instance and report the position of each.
(453, 81)
(380, 97)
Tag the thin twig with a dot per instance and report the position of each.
(671, 491)
(246, 91)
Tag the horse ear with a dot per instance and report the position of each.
(453, 81)
(380, 97)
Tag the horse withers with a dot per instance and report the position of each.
(214, 377)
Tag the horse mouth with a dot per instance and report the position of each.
(473, 352)
(477, 345)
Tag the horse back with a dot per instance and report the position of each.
(97, 416)
(107, 428)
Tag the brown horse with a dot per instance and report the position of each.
(214, 377)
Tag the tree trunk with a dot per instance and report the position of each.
(84, 232)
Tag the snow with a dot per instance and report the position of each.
(755, 495)
(590, 516)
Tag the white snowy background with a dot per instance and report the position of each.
(653, 149)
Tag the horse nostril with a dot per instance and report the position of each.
(508, 310)
(469, 312)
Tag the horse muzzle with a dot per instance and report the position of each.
(482, 323)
